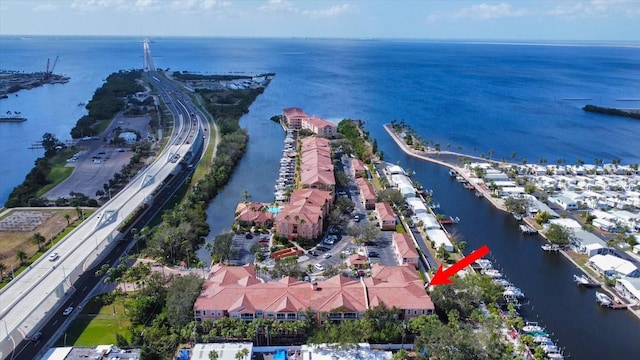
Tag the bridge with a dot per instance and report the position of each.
(34, 296)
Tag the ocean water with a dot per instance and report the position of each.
(466, 96)
(476, 97)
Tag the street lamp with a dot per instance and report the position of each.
(404, 332)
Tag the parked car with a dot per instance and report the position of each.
(54, 256)
(312, 253)
(326, 256)
(36, 336)
(319, 267)
(373, 254)
(67, 311)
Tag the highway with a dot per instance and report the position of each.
(38, 295)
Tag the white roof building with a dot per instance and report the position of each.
(613, 266)
(629, 288)
(360, 352)
(588, 243)
(226, 351)
(128, 136)
(440, 238)
(566, 222)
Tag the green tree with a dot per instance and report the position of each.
(442, 253)
(68, 218)
(213, 355)
(38, 239)
(3, 268)
(364, 232)
(559, 235)
(221, 250)
(21, 256)
(516, 205)
(287, 266)
(393, 196)
(542, 217)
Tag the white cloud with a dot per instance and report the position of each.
(488, 11)
(94, 5)
(595, 9)
(278, 6)
(45, 7)
(335, 10)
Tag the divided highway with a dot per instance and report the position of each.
(39, 294)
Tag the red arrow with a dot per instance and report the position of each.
(442, 277)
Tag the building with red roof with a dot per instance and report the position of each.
(253, 213)
(385, 215)
(357, 168)
(296, 118)
(234, 291)
(405, 250)
(367, 193)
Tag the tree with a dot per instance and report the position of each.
(242, 354)
(21, 256)
(68, 218)
(364, 232)
(516, 205)
(542, 217)
(393, 196)
(246, 195)
(38, 239)
(344, 204)
(287, 267)
(181, 295)
(442, 253)
(559, 235)
(213, 355)
(221, 250)
(3, 268)
(400, 355)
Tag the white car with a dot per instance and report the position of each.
(54, 257)
(67, 311)
(319, 267)
(326, 256)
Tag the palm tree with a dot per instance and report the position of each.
(244, 353)
(213, 355)
(21, 256)
(67, 217)
(38, 239)
(3, 268)
(246, 195)
(80, 212)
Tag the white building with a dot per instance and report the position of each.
(129, 137)
(226, 351)
(588, 243)
(356, 352)
(629, 288)
(613, 266)
(564, 202)
(439, 237)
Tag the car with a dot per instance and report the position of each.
(326, 256)
(312, 253)
(54, 257)
(67, 311)
(36, 336)
(373, 254)
(319, 267)
(322, 249)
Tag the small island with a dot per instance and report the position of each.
(14, 81)
(630, 113)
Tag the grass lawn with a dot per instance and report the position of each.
(90, 329)
(57, 174)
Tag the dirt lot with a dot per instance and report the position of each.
(12, 241)
(99, 161)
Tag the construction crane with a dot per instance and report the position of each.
(48, 73)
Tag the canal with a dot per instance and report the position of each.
(570, 313)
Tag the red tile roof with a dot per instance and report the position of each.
(405, 246)
(385, 212)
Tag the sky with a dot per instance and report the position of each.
(589, 20)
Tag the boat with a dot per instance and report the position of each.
(603, 299)
(512, 291)
(532, 327)
(444, 219)
(484, 263)
(541, 339)
(452, 173)
(517, 217)
(555, 356)
(550, 247)
(527, 230)
(501, 282)
(478, 194)
(585, 281)
(492, 273)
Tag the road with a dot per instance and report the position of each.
(38, 294)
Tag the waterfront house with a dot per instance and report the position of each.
(367, 193)
(316, 166)
(296, 118)
(439, 238)
(385, 215)
(405, 250)
(302, 217)
(234, 291)
(588, 243)
(253, 214)
(564, 202)
(629, 288)
(613, 266)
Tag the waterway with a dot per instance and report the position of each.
(570, 313)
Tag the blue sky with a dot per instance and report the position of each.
(614, 20)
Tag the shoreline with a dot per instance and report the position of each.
(498, 203)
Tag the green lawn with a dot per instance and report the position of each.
(57, 174)
(90, 329)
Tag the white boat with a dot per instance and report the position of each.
(603, 299)
(517, 217)
(492, 273)
(532, 328)
(555, 356)
(512, 291)
(502, 282)
(550, 247)
(550, 349)
(526, 229)
(484, 263)
(542, 340)
(585, 281)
